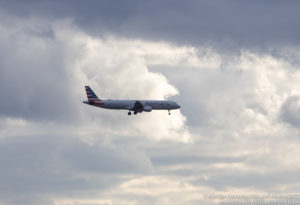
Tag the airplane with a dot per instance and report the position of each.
(135, 106)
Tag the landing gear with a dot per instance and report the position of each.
(169, 112)
(129, 112)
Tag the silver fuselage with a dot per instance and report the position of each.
(129, 104)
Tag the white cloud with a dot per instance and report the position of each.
(113, 67)
(116, 70)
(239, 117)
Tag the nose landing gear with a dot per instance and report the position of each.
(169, 112)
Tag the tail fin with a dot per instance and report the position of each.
(92, 97)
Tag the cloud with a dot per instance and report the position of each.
(50, 140)
(38, 167)
(32, 75)
(228, 24)
(290, 111)
(231, 133)
(49, 76)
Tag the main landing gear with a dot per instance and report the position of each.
(135, 112)
(129, 113)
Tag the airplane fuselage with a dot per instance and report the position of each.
(129, 104)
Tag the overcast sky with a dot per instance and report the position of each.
(233, 66)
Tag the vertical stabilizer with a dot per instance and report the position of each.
(92, 97)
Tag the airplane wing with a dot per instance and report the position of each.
(138, 106)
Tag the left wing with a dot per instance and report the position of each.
(137, 107)
(140, 107)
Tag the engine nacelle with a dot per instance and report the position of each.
(147, 109)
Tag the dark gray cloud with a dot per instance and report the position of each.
(231, 23)
(33, 76)
(192, 159)
(270, 181)
(290, 111)
(46, 165)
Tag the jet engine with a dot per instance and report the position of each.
(147, 109)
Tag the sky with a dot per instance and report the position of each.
(233, 66)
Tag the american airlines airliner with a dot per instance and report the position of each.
(136, 106)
